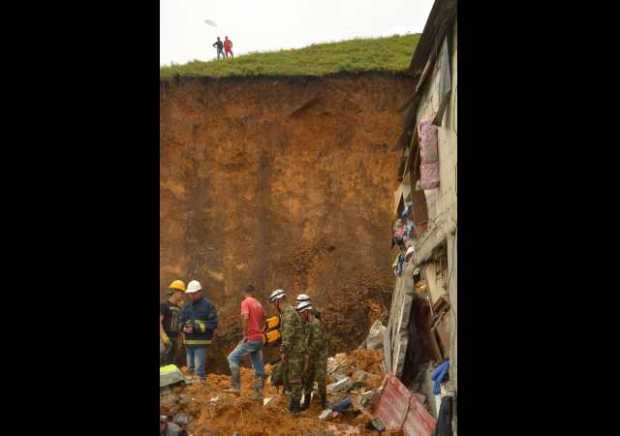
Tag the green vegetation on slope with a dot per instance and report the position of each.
(378, 54)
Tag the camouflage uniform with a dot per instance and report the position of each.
(277, 376)
(316, 366)
(293, 345)
(316, 312)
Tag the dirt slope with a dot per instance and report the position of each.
(281, 182)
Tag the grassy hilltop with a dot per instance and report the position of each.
(356, 55)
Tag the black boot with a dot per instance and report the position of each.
(323, 398)
(323, 395)
(293, 406)
(235, 381)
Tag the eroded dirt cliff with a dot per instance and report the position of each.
(283, 183)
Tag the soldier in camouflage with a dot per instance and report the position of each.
(316, 358)
(315, 311)
(292, 350)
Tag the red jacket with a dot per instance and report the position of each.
(227, 44)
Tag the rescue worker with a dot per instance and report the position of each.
(198, 320)
(164, 344)
(169, 312)
(252, 324)
(292, 350)
(315, 368)
(305, 297)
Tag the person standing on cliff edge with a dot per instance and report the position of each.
(228, 47)
(252, 324)
(220, 48)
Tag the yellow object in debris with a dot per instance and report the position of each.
(421, 286)
(168, 369)
(273, 322)
(272, 336)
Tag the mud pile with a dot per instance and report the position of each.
(213, 412)
(283, 183)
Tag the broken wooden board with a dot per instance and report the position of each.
(442, 332)
(437, 291)
(431, 239)
(396, 337)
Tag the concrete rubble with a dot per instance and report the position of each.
(342, 385)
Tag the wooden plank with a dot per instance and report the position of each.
(431, 239)
(436, 290)
(435, 348)
(443, 304)
(443, 334)
(420, 213)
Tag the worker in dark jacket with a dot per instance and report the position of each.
(198, 320)
(169, 316)
(219, 45)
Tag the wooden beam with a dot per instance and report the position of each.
(431, 239)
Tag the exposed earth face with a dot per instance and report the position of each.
(282, 183)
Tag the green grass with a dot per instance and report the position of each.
(356, 55)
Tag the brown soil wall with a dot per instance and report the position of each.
(283, 183)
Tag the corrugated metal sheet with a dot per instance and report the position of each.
(393, 404)
(399, 409)
(418, 421)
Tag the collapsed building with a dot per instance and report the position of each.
(422, 326)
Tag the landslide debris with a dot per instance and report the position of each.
(213, 412)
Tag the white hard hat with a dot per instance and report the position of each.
(303, 297)
(410, 250)
(277, 294)
(193, 286)
(303, 305)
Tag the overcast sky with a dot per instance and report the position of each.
(267, 25)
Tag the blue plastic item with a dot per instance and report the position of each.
(342, 405)
(438, 375)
